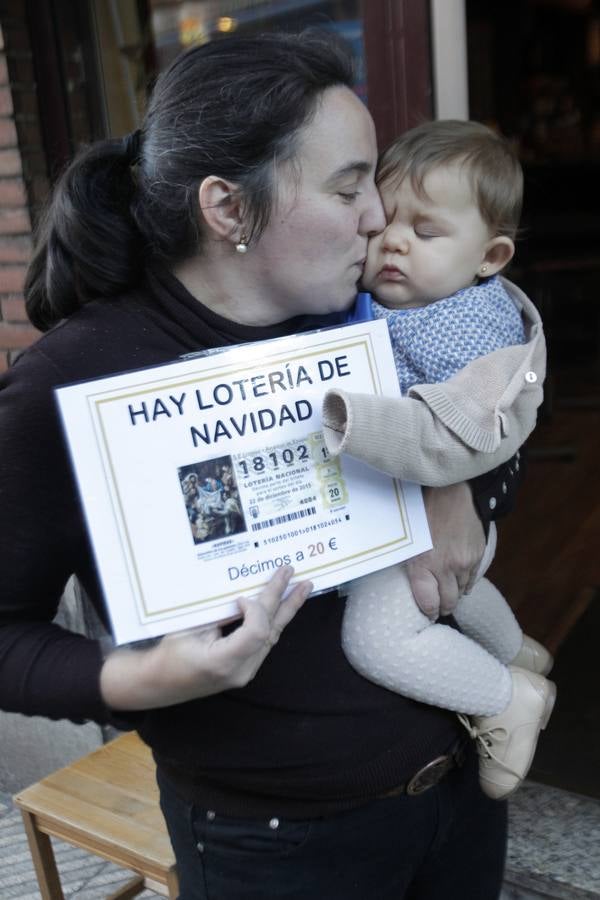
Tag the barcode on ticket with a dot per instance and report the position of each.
(278, 520)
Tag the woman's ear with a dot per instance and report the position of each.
(498, 253)
(221, 207)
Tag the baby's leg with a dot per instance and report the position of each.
(485, 616)
(388, 640)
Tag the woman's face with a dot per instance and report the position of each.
(312, 253)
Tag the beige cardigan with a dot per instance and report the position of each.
(444, 433)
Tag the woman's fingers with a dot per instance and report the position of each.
(424, 585)
(440, 576)
(436, 585)
(270, 596)
(266, 615)
(288, 608)
(472, 579)
(196, 663)
(450, 593)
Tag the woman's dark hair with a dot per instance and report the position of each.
(230, 108)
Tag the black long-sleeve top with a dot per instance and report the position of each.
(308, 734)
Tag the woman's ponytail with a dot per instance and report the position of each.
(88, 244)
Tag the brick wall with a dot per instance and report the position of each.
(19, 136)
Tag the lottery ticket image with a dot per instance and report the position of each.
(212, 502)
(286, 483)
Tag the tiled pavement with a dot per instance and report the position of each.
(83, 876)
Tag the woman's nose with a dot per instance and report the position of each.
(372, 221)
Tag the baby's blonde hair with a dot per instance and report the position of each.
(490, 161)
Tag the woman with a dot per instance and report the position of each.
(240, 212)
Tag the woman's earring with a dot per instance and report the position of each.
(242, 245)
(484, 269)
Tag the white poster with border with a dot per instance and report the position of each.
(201, 477)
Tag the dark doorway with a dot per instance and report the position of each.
(535, 74)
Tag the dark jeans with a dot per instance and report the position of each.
(446, 843)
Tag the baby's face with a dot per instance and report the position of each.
(432, 246)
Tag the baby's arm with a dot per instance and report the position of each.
(410, 438)
(445, 433)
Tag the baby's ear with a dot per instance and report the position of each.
(498, 253)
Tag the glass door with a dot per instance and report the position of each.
(389, 40)
(183, 23)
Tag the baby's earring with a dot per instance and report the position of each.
(242, 244)
(484, 269)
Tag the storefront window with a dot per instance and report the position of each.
(178, 24)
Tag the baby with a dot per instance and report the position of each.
(469, 353)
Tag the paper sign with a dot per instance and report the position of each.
(201, 477)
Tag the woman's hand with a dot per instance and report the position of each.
(198, 662)
(441, 576)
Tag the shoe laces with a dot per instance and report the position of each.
(485, 739)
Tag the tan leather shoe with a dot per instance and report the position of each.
(506, 742)
(534, 657)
